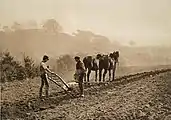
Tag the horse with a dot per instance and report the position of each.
(114, 57)
(101, 62)
(105, 63)
(90, 65)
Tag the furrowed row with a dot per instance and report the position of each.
(58, 97)
(129, 78)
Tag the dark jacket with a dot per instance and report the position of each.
(80, 67)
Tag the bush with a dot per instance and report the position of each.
(10, 69)
(31, 70)
(13, 70)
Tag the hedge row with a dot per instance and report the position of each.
(11, 69)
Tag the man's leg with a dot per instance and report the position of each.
(46, 87)
(41, 87)
(81, 84)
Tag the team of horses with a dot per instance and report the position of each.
(99, 63)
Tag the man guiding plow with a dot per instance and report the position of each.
(106, 62)
(44, 69)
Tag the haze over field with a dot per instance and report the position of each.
(110, 24)
(148, 22)
(138, 86)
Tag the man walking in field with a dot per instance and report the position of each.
(44, 69)
(80, 71)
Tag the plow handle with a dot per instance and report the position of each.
(60, 86)
(62, 80)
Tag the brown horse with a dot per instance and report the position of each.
(101, 62)
(105, 63)
(114, 56)
(90, 65)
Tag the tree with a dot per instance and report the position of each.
(52, 25)
(10, 68)
(31, 69)
(85, 36)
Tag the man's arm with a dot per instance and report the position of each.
(82, 66)
(47, 69)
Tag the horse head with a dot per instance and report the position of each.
(111, 55)
(98, 56)
(116, 55)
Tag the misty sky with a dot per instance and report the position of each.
(148, 22)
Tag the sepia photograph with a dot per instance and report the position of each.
(85, 59)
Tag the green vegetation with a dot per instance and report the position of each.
(12, 69)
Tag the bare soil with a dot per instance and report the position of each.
(145, 98)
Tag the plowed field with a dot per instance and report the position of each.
(137, 96)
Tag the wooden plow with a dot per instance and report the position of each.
(57, 80)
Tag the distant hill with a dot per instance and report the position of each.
(37, 42)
